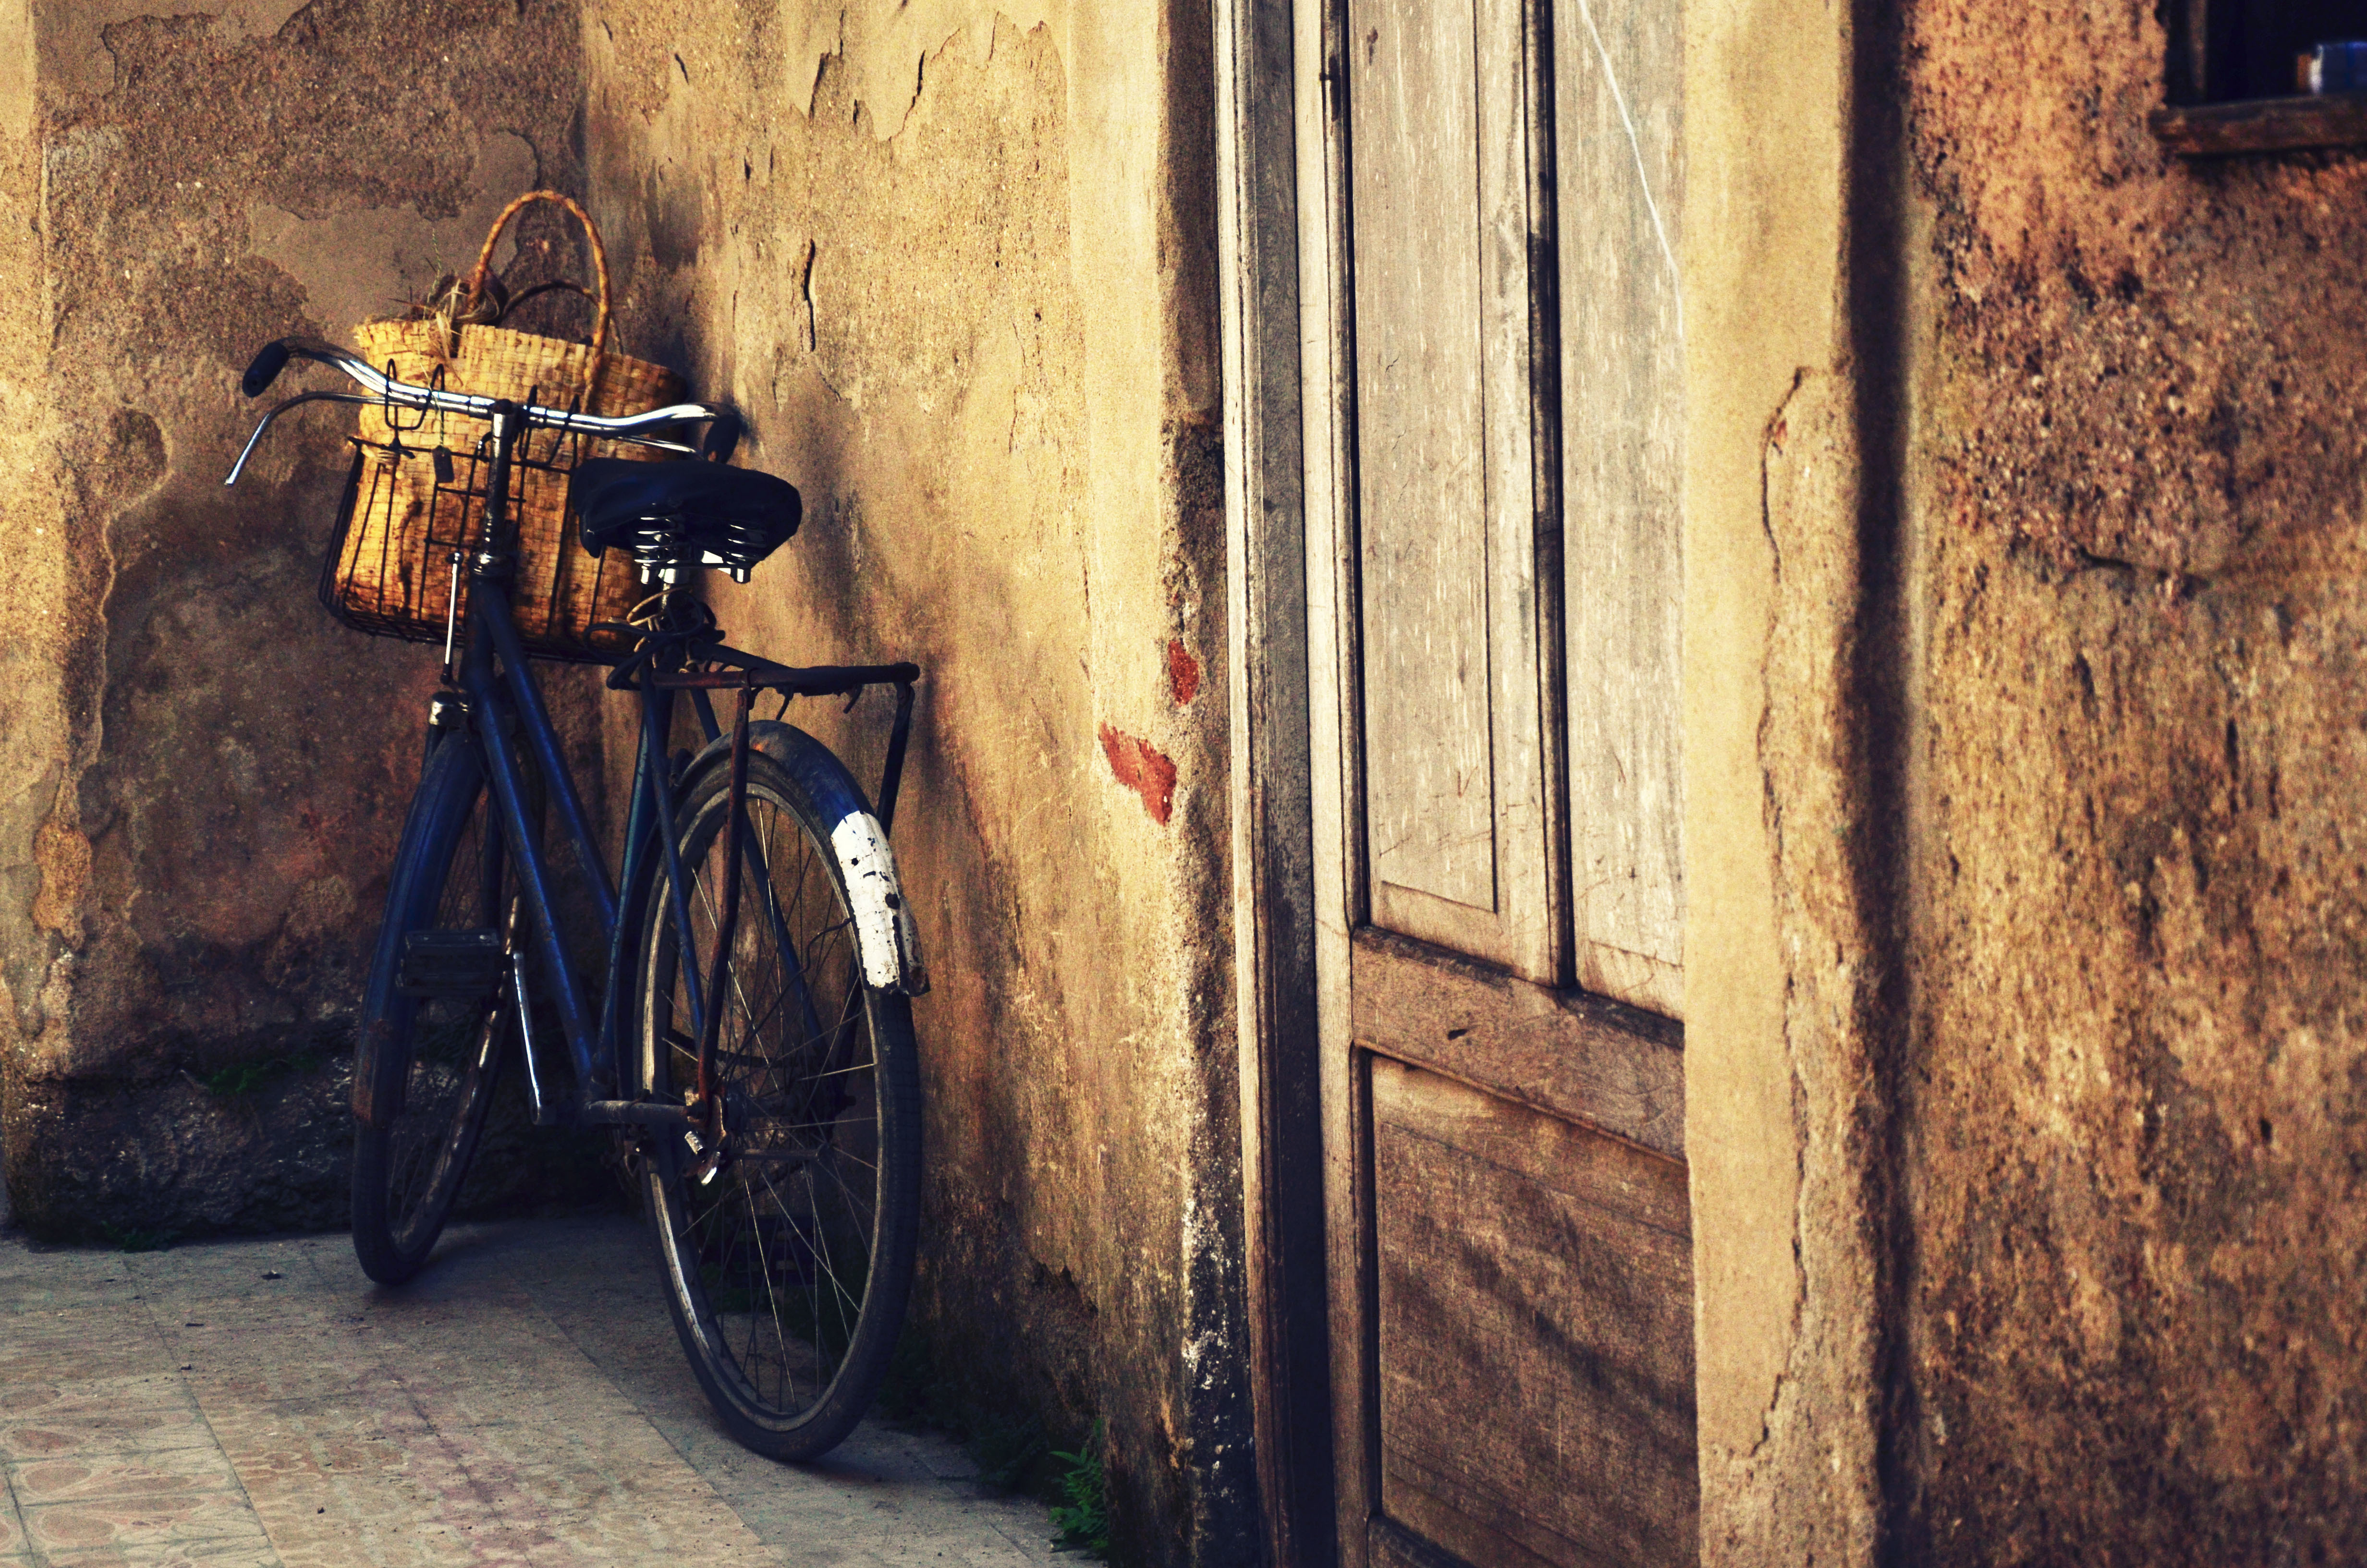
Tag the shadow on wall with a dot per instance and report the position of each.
(207, 776)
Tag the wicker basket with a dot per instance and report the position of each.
(391, 571)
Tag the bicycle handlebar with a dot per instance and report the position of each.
(384, 390)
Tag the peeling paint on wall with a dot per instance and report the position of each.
(1140, 767)
(1183, 673)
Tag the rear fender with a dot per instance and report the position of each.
(885, 934)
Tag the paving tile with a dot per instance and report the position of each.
(43, 1420)
(193, 1321)
(529, 1479)
(904, 1527)
(57, 1278)
(128, 1524)
(314, 1468)
(237, 1270)
(235, 1373)
(497, 1324)
(79, 1344)
(712, 1534)
(336, 1269)
(429, 1548)
(573, 1395)
(381, 1518)
(12, 1528)
(644, 1359)
(424, 1488)
(599, 1491)
(893, 1455)
(294, 1349)
(158, 1475)
(237, 1552)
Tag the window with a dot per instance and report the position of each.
(2236, 81)
(2248, 49)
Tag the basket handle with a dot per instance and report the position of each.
(482, 272)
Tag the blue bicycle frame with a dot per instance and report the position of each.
(509, 722)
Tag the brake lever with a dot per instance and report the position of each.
(248, 451)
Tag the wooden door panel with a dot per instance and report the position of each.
(1565, 1054)
(1389, 1545)
(1453, 800)
(1617, 106)
(1534, 1331)
(1509, 1259)
(1432, 796)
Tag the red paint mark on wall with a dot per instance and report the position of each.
(1141, 766)
(1183, 673)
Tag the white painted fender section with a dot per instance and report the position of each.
(884, 932)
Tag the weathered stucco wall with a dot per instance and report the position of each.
(2023, 706)
(205, 777)
(2137, 1137)
(952, 262)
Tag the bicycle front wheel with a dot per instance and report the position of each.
(787, 1266)
(432, 1059)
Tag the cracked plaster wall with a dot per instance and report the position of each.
(2024, 689)
(205, 777)
(952, 261)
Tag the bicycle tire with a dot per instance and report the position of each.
(813, 1080)
(438, 1059)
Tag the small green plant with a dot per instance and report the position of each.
(1010, 1449)
(1084, 1519)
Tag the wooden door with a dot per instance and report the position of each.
(1510, 1233)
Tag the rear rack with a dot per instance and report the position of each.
(714, 668)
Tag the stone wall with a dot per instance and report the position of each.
(2024, 696)
(952, 260)
(205, 777)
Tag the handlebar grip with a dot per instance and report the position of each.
(264, 371)
(723, 436)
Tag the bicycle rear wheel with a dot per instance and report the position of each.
(438, 1035)
(787, 1267)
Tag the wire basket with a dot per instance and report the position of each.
(412, 515)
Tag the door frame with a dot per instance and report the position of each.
(1263, 152)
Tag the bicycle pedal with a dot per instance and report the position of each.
(468, 963)
(710, 1160)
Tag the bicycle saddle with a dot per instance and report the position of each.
(667, 514)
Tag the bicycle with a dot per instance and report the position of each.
(755, 1055)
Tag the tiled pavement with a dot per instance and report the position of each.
(524, 1402)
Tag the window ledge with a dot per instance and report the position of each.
(2261, 124)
